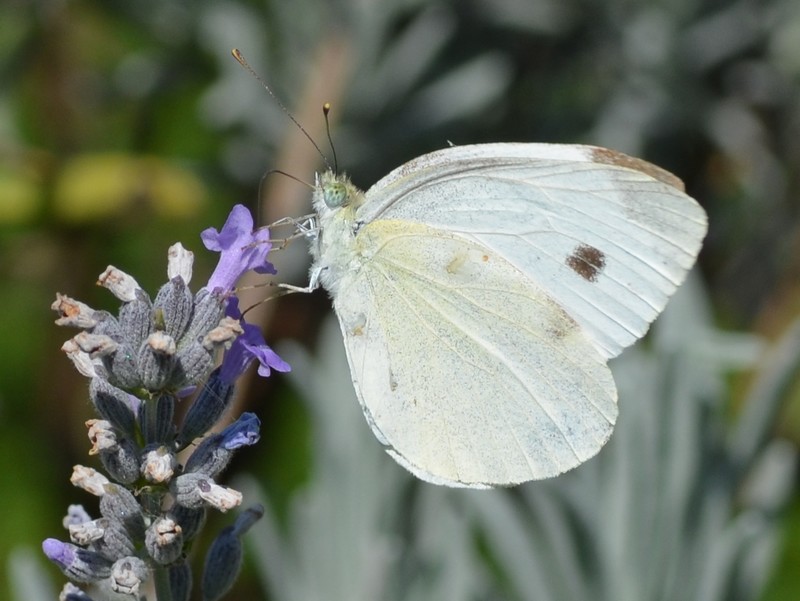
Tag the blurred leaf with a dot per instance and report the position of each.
(20, 196)
(29, 580)
(99, 187)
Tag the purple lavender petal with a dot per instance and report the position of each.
(243, 432)
(269, 360)
(241, 249)
(60, 553)
(247, 347)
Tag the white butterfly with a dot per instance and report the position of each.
(482, 289)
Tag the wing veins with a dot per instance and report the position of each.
(597, 193)
(492, 350)
(458, 289)
(452, 349)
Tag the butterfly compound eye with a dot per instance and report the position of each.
(335, 194)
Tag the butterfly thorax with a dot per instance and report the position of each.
(335, 201)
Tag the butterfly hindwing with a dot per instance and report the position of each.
(469, 373)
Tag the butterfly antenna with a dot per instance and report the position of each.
(326, 108)
(243, 62)
(290, 176)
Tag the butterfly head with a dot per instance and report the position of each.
(336, 192)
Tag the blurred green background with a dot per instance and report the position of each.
(125, 127)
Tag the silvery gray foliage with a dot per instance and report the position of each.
(141, 363)
(681, 504)
(396, 81)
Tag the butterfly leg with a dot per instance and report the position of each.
(304, 226)
(307, 227)
(313, 283)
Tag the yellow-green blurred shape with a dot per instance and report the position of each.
(101, 186)
(20, 197)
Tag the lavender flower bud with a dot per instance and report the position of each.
(209, 458)
(196, 490)
(127, 575)
(222, 565)
(211, 403)
(107, 325)
(122, 463)
(246, 519)
(123, 367)
(100, 536)
(155, 418)
(180, 581)
(164, 540)
(77, 564)
(209, 309)
(215, 452)
(115, 541)
(73, 313)
(156, 360)
(70, 592)
(158, 464)
(194, 364)
(121, 285)
(114, 405)
(136, 319)
(174, 303)
(76, 514)
(89, 480)
(119, 504)
(190, 520)
(224, 558)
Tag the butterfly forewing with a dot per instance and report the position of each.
(608, 243)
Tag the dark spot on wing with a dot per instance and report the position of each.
(587, 261)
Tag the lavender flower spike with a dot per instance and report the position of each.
(241, 249)
(138, 361)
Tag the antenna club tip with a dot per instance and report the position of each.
(237, 54)
(326, 108)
